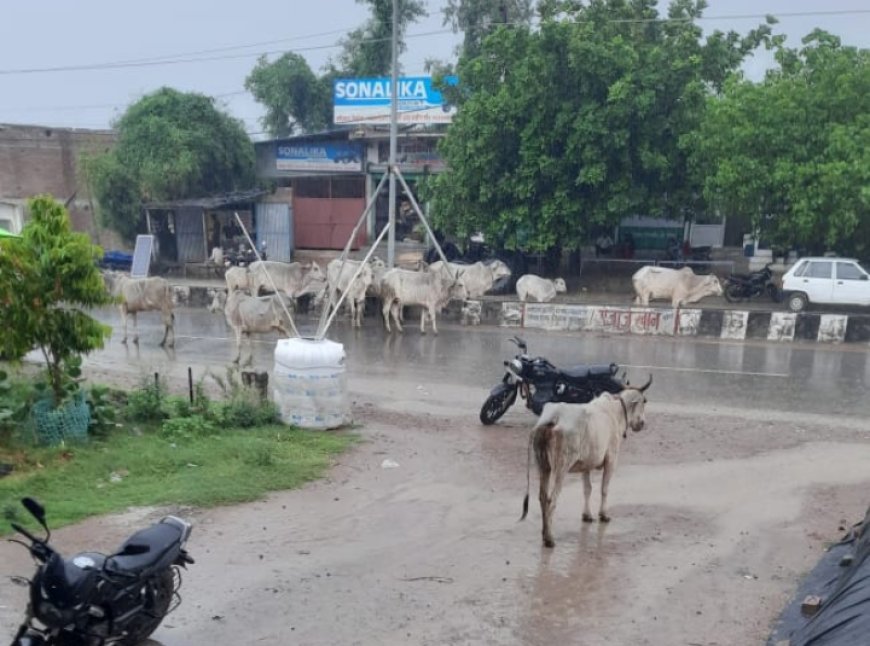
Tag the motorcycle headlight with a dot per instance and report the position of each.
(516, 367)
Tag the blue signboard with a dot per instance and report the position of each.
(333, 157)
(367, 101)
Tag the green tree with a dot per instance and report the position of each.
(577, 122)
(477, 18)
(296, 100)
(171, 145)
(793, 152)
(366, 50)
(47, 278)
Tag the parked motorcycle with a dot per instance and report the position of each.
(740, 287)
(92, 599)
(538, 382)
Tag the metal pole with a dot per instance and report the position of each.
(324, 328)
(425, 222)
(394, 110)
(344, 253)
(268, 275)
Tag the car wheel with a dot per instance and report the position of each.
(797, 301)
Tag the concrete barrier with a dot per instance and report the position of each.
(621, 319)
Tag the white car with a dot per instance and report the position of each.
(829, 281)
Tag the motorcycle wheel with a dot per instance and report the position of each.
(160, 591)
(495, 406)
(733, 293)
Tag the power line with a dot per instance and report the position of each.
(104, 106)
(180, 61)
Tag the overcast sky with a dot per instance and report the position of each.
(48, 33)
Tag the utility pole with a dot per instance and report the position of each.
(394, 110)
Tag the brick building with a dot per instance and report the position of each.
(41, 159)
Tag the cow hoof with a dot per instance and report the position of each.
(604, 518)
(136, 341)
(587, 518)
(124, 341)
(549, 542)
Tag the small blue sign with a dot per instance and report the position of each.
(333, 157)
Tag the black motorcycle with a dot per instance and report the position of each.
(740, 287)
(538, 382)
(92, 599)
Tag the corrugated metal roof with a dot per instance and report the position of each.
(208, 203)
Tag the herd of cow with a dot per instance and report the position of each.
(430, 288)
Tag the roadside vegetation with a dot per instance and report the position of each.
(147, 447)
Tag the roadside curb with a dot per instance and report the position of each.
(734, 325)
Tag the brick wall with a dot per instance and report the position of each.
(42, 159)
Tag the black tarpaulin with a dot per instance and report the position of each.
(844, 616)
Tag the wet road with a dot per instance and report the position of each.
(787, 377)
(753, 456)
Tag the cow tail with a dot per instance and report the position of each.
(528, 476)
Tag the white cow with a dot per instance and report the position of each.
(247, 314)
(542, 290)
(142, 295)
(579, 438)
(289, 277)
(479, 277)
(237, 278)
(338, 279)
(431, 290)
(679, 285)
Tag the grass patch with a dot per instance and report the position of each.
(175, 466)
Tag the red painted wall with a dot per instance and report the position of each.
(326, 223)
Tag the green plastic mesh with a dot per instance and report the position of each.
(67, 423)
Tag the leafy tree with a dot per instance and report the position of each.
(476, 18)
(366, 50)
(294, 97)
(577, 123)
(793, 151)
(47, 278)
(171, 145)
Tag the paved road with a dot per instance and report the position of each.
(753, 456)
(786, 377)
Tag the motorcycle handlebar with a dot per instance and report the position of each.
(18, 528)
(38, 547)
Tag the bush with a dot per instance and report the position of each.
(184, 429)
(145, 404)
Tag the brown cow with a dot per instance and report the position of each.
(578, 438)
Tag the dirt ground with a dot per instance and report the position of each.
(716, 515)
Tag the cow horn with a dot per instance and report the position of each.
(646, 385)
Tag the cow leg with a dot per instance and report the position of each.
(238, 333)
(423, 312)
(168, 326)
(587, 494)
(124, 319)
(250, 360)
(135, 328)
(395, 310)
(546, 509)
(432, 314)
(385, 312)
(609, 467)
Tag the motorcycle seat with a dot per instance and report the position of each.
(583, 372)
(160, 538)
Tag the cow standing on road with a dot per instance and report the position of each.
(579, 438)
(142, 295)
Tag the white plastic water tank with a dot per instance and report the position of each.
(310, 384)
